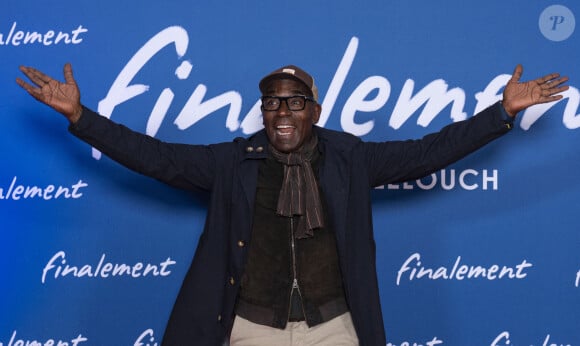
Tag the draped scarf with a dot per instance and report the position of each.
(299, 194)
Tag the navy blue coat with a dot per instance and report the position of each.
(204, 310)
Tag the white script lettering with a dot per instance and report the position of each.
(431, 99)
(433, 342)
(18, 37)
(49, 342)
(104, 269)
(146, 339)
(16, 192)
(459, 271)
(503, 339)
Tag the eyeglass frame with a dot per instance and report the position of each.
(285, 99)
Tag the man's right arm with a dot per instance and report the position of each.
(182, 166)
(190, 167)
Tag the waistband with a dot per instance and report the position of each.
(267, 316)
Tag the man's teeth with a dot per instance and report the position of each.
(285, 130)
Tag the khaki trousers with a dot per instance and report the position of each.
(337, 332)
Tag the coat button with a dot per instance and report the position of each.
(259, 149)
(241, 243)
(249, 149)
(219, 317)
(232, 281)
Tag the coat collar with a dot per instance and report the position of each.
(334, 174)
(256, 146)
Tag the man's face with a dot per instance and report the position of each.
(288, 130)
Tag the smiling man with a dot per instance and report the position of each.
(287, 255)
(289, 108)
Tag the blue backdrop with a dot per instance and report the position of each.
(485, 252)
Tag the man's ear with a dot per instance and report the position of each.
(316, 115)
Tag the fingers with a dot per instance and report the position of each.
(35, 76)
(32, 90)
(553, 80)
(68, 74)
(517, 73)
(552, 86)
(552, 98)
(557, 90)
(24, 85)
(549, 79)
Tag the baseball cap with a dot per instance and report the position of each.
(292, 72)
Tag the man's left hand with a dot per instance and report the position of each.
(518, 96)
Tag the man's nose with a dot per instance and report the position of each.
(284, 110)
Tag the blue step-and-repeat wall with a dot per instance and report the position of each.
(484, 252)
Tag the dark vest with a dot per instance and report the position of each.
(266, 293)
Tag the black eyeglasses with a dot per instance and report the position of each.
(294, 103)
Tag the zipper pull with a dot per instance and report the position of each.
(295, 283)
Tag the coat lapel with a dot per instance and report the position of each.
(334, 180)
(254, 151)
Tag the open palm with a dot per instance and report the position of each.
(518, 96)
(63, 97)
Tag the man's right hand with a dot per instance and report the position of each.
(65, 97)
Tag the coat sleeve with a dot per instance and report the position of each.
(399, 161)
(190, 167)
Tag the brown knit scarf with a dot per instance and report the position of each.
(299, 195)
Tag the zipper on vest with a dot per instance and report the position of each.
(295, 285)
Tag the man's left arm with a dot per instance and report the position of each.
(399, 161)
